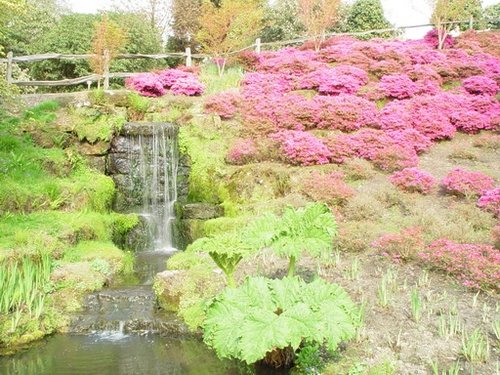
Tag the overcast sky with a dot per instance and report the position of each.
(399, 12)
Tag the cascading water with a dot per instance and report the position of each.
(153, 179)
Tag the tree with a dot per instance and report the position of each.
(282, 21)
(107, 41)
(157, 12)
(185, 23)
(367, 15)
(445, 15)
(229, 27)
(318, 16)
(492, 16)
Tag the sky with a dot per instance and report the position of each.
(398, 12)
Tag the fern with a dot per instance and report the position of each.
(226, 250)
(263, 315)
(310, 229)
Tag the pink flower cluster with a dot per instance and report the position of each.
(413, 180)
(374, 145)
(179, 82)
(241, 152)
(490, 201)
(467, 183)
(301, 148)
(398, 86)
(402, 246)
(480, 85)
(328, 188)
(224, 104)
(475, 265)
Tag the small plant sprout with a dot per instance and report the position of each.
(453, 370)
(496, 329)
(416, 305)
(354, 271)
(474, 299)
(486, 312)
(423, 278)
(387, 285)
(475, 346)
(449, 325)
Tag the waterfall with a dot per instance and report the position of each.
(153, 155)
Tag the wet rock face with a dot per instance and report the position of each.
(125, 310)
(201, 211)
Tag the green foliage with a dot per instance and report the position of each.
(491, 16)
(282, 21)
(226, 250)
(215, 83)
(308, 359)
(98, 127)
(310, 229)
(367, 15)
(263, 315)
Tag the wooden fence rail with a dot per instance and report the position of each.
(187, 55)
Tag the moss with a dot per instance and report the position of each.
(94, 127)
(224, 224)
(89, 250)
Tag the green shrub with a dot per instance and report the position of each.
(263, 317)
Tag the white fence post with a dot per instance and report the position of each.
(471, 22)
(257, 45)
(189, 60)
(10, 56)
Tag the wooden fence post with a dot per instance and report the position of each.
(10, 56)
(257, 45)
(107, 61)
(471, 22)
(189, 60)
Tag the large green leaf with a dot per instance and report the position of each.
(263, 315)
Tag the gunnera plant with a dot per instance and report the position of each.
(268, 321)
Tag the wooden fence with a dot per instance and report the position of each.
(257, 46)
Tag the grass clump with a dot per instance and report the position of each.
(215, 83)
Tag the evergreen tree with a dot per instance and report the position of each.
(368, 15)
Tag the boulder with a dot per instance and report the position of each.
(201, 211)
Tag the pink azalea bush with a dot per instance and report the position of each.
(467, 183)
(179, 82)
(241, 152)
(301, 148)
(224, 104)
(146, 84)
(475, 265)
(328, 188)
(403, 246)
(480, 85)
(398, 86)
(413, 180)
(490, 201)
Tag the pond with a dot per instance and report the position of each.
(115, 353)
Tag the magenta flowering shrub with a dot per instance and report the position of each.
(241, 152)
(189, 86)
(480, 85)
(474, 265)
(344, 112)
(394, 158)
(403, 246)
(169, 76)
(256, 83)
(301, 148)
(146, 84)
(179, 82)
(413, 180)
(224, 104)
(431, 38)
(333, 81)
(470, 121)
(411, 138)
(290, 61)
(398, 86)
(467, 183)
(327, 188)
(490, 201)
